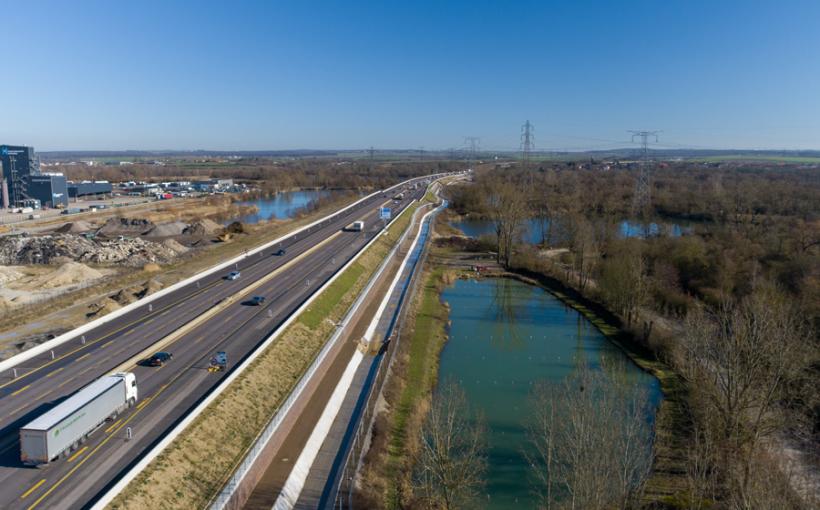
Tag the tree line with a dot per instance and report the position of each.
(732, 305)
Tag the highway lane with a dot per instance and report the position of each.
(30, 369)
(184, 304)
(167, 393)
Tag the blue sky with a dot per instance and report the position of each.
(308, 74)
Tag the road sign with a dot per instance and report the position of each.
(384, 213)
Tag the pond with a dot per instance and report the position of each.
(504, 337)
(532, 229)
(280, 206)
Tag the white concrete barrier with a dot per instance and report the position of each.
(190, 417)
(75, 333)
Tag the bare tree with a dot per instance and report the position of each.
(585, 249)
(449, 472)
(623, 279)
(508, 210)
(591, 442)
(740, 361)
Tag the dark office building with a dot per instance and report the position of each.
(18, 163)
(86, 188)
(50, 189)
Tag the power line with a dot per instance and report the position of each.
(527, 143)
(472, 142)
(643, 189)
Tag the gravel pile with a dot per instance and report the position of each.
(132, 252)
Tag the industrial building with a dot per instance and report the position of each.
(87, 188)
(24, 185)
(50, 189)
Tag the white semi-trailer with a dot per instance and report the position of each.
(65, 427)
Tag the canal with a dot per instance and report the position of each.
(504, 337)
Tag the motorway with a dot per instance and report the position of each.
(193, 323)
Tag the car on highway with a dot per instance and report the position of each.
(257, 300)
(159, 359)
(233, 275)
(279, 252)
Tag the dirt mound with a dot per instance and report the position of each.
(9, 274)
(174, 228)
(128, 295)
(174, 246)
(68, 274)
(151, 286)
(235, 228)
(119, 226)
(150, 268)
(75, 227)
(203, 227)
(103, 307)
(136, 292)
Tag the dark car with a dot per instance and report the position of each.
(257, 300)
(159, 359)
(279, 252)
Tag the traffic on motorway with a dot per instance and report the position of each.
(174, 350)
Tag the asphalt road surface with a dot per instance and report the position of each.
(166, 394)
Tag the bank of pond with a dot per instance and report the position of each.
(535, 231)
(506, 338)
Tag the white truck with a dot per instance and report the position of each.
(356, 226)
(65, 427)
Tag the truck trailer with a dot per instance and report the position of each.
(65, 427)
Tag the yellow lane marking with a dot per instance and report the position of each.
(21, 390)
(149, 321)
(89, 369)
(96, 448)
(109, 429)
(198, 339)
(65, 382)
(106, 344)
(44, 394)
(196, 324)
(83, 356)
(33, 488)
(55, 371)
(137, 410)
(109, 335)
(71, 459)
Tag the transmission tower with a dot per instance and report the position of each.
(527, 143)
(643, 189)
(472, 142)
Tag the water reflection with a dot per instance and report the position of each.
(506, 336)
(281, 205)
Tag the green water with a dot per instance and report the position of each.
(506, 335)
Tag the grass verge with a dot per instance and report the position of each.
(386, 477)
(196, 465)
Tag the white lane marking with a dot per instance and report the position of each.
(298, 475)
